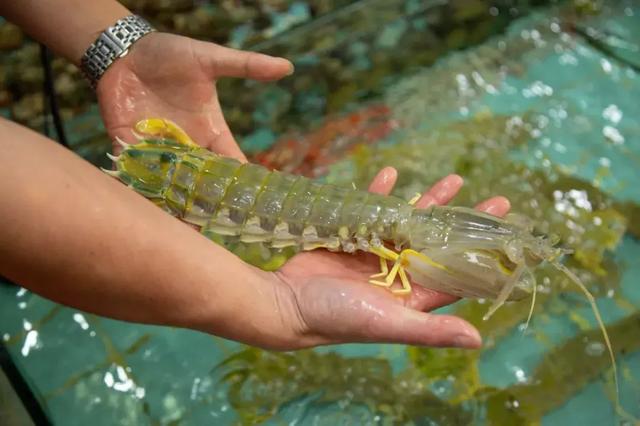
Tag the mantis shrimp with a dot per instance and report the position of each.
(455, 250)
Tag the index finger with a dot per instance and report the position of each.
(442, 192)
(497, 206)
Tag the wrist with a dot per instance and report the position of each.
(258, 310)
(89, 31)
(66, 27)
(111, 45)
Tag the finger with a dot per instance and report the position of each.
(221, 141)
(220, 61)
(342, 311)
(413, 327)
(384, 181)
(497, 206)
(424, 299)
(442, 192)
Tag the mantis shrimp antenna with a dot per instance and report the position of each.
(596, 312)
(504, 293)
(533, 301)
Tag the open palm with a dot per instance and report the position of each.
(170, 76)
(335, 304)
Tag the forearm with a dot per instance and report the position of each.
(76, 236)
(68, 27)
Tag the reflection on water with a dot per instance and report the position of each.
(546, 114)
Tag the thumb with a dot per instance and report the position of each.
(220, 61)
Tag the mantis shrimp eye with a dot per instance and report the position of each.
(514, 252)
(520, 221)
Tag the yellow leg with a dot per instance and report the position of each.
(406, 284)
(415, 199)
(165, 128)
(397, 270)
(384, 269)
(384, 253)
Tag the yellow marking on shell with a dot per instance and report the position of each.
(331, 243)
(251, 238)
(314, 245)
(503, 267)
(408, 253)
(343, 232)
(414, 199)
(164, 128)
(223, 230)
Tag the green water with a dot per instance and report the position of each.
(547, 117)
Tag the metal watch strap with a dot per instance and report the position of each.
(111, 44)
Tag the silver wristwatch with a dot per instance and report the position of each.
(111, 44)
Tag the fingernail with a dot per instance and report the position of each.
(389, 174)
(292, 69)
(456, 179)
(466, 341)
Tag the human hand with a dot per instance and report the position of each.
(170, 76)
(325, 298)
